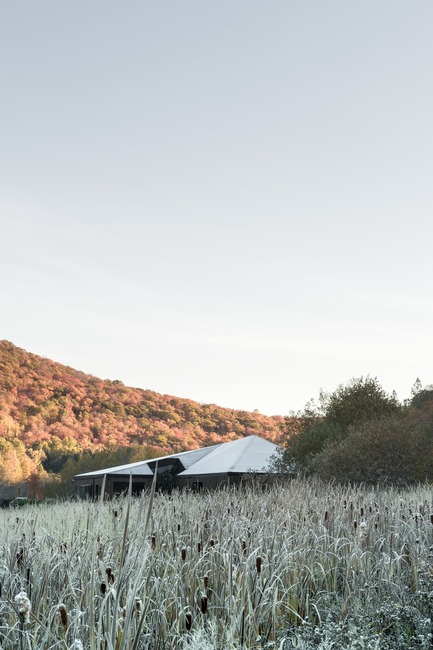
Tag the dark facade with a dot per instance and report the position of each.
(89, 487)
(222, 465)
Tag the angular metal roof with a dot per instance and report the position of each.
(238, 456)
(138, 469)
(141, 468)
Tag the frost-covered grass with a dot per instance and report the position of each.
(305, 565)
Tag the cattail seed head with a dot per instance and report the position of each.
(153, 542)
(20, 558)
(103, 588)
(205, 581)
(183, 554)
(203, 604)
(188, 621)
(24, 606)
(77, 645)
(199, 547)
(259, 564)
(138, 604)
(363, 529)
(63, 615)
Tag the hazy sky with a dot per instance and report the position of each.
(227, 201)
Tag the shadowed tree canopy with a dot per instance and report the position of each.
(361, 400)
(334, 418)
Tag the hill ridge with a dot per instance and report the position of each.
(50, 412)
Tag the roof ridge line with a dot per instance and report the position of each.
(248, 444)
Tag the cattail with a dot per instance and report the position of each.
(77, 645)
(63, 616)
(24, 606)
(244, 546)
(153, 542)
(178, 528)
(406, 554)
(205, 581)
(326, 515)
(183, 554)
(211, 542)
(103, 588)
(203, 604)
(431, 519)
(355, 524)
(115, 513)
(0, 589)
(362, 511)
(199, 547)
(20, 558)
(259, 564)
(110, 575)
(188, 621)
(138, 605)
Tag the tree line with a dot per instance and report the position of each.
(361, 433)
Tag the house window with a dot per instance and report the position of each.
(84, 491)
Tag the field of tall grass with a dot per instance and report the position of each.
(300, 565)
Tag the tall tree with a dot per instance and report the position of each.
(330, 420)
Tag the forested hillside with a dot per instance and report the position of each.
(51, 414)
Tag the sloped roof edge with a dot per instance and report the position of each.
(238, 456)
(187, 458)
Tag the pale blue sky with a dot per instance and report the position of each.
(227, 201)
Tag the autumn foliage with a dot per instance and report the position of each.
(54, 418)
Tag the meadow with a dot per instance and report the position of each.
(298, 565)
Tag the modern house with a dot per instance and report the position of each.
(207, 468)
